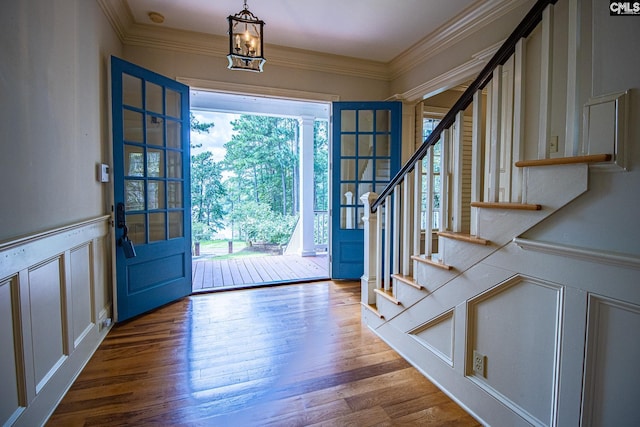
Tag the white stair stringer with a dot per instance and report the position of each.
(550, 186)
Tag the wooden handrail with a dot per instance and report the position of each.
(507, 49)
(591, 158)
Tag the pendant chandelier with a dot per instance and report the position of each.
(245, 41)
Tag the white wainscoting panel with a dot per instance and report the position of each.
(516, 325)
(82, 309)
(55, 287)
(46, 298)
(10, 402)
(612, 377)
(437, 336)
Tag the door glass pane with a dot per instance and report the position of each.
(348, 121)
(365, 145)
(133, 160)
(173, 103)
(174, 164)
(134, 194)
(155, 163)
(348, 145)
(154, 98)
(365, 121)
(132, 126)
(363, 187)
(137, 228)
(174, 194)
(131, 91)
(155, 195)
(382, 170)
(175, 225)
(347, 170)
(173, 134)
(359, 215)
(348, 218)
(155, 130)
(157, 226)
(383, 149)
(365, 169)
(382, 120)
(347, 194)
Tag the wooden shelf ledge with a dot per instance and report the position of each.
(430, 261)
(507, 205)
(463, 237)
(592, 158)
(374, 309)
(408, 280)
(388, 295)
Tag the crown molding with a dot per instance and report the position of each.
(454, 77)
(154, 36)
(474, 18)
(245, 89)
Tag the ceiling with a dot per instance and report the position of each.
(377, 30)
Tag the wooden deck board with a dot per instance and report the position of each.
(208, 274)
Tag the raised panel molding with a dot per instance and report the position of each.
(12, 391)
(611, 377)
(517, 326)
(437, 335)
(52, 286)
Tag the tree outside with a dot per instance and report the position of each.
(250, 193)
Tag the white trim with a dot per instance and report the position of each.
(473, 19)
(546, 76)
(590, 255)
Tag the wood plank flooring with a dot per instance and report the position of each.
(294, 355)
(213, 274)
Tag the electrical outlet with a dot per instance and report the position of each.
(478, 363)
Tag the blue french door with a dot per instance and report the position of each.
(151, 179)
(365, 156)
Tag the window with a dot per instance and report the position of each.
(429, 123)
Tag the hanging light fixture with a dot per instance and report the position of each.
(245, 41)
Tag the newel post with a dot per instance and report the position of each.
(368, 279)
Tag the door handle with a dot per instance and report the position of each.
(124, 241)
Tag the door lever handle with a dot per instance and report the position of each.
(124, 241)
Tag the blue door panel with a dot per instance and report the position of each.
(151, 178)
(365, 156)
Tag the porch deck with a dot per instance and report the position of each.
(212, 274)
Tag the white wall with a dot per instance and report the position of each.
(605, 218)
(211, 68)
(53, 113)
(55, 282)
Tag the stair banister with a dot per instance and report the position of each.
(526, 26)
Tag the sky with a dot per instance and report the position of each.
(219, 135)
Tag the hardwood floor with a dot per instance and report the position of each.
(214, 274)
(293, 355)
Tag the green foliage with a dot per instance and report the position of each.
(207, 191)
(321, 165)
(263, 157)
(258, 223)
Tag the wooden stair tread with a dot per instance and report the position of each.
(430, 261)
(463, 237)
(409, 280)
(507, 205)
(592, 158)
(374, 309)
(388, 295)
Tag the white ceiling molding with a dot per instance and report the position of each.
(244, 89)
(451, 79)
(482, 13)
(474, 18)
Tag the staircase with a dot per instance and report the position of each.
(432, 305)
